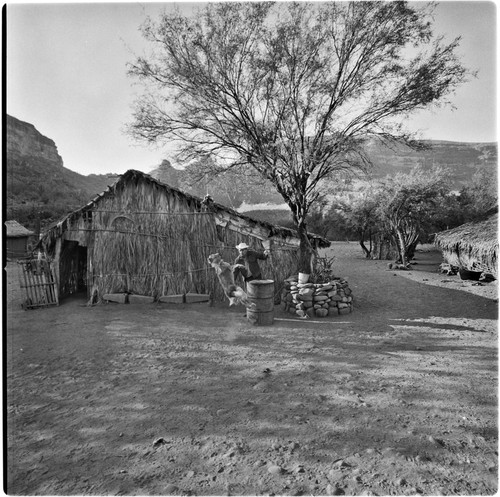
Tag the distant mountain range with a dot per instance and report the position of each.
(40, 187)
(463, 159)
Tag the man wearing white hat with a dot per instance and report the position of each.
(247, 263)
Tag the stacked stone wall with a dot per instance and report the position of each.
(317, 299)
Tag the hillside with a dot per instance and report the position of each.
(463, 159)
(39, 187)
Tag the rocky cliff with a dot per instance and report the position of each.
(26, 142)
(39, 188)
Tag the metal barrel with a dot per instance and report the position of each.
(261, 293)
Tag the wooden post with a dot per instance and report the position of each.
(56, 268)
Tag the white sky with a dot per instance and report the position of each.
(66, 75)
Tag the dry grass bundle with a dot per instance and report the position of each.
(473, 246)
(146, 238)
(152, 249)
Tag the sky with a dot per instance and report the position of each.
(66, 75)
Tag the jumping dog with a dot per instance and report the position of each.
(224, 271)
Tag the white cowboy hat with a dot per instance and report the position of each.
(242, 246)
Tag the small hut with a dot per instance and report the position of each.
(17, 239)
(144, 237)
(472, 246)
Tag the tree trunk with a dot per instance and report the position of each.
(411, 250)
(401, 246)
(365, 250)
(306, 252)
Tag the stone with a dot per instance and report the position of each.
(310, 312)
(140, 299)
(336, 298)
(318, 306)
(335, 474)
(192, 298)
(320, 293)
(319, 298)
(172, 299)
(327, 287)
(305, 298)
(274, 469)
(307, 304)
(170, 489)
(321, 313)
(342, 305)
(334, 490)
(306, 291)
(119, 298)
(435, 441)
(159, 441)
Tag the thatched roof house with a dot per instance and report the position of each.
(144, 237)
(472, 246)
(17, 238)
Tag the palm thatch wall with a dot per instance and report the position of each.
(147, 238)
(472, 246)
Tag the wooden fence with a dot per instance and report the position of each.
(38, 280)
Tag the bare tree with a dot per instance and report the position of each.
(290, 89)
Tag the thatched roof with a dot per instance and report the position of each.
(133, 176)
(475, 240)
(16, 230)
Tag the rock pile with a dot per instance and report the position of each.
(317, 299)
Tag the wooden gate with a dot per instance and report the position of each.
(39, 282)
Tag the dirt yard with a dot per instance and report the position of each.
(397, 398)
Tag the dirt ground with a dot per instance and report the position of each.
(397, 398)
